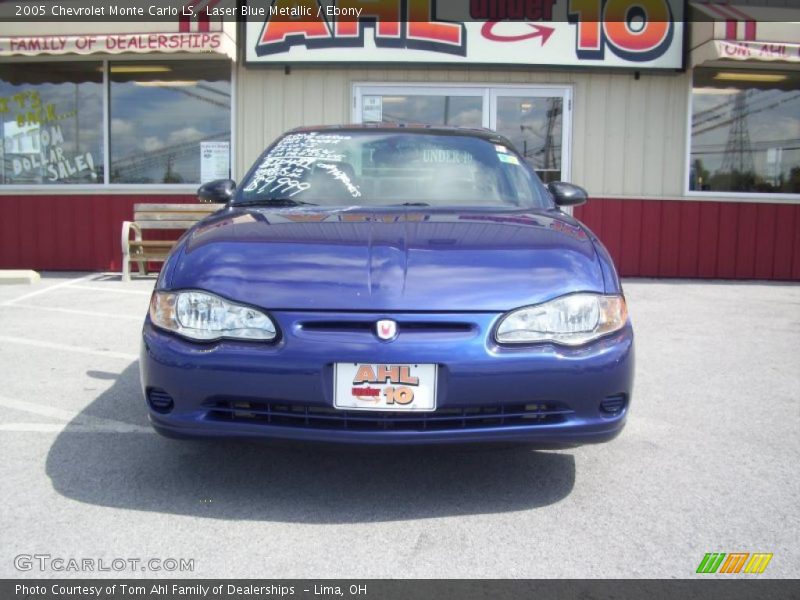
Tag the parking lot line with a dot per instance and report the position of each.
(67, 348)
(49, 288)
(59, 427)
(72, 311)
(97, 288)
(42, 410)
(74, 419)
(33, 427)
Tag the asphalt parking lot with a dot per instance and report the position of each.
(707, 463)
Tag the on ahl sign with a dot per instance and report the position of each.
(641, 34)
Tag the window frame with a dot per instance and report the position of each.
(542, 91)
(754, 197)
(63, 189)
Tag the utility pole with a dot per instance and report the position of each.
(738, 155)
(553, 112)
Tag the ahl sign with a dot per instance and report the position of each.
(640, 34)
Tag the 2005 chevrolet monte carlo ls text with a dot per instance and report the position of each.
(389, 284)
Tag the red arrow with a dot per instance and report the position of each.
(541, 31)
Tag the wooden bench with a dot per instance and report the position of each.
(157, 216)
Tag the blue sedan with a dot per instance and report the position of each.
(389, 284)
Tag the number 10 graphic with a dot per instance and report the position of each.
(635, 30)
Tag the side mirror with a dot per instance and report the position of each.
(217, 191)
(566, 194)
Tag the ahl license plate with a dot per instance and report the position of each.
(375, 386)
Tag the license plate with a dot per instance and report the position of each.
(375, 386)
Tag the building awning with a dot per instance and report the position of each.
(724, 50)
(729, 34)
(126, 38)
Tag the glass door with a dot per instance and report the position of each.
(537, 121)
(459, 106)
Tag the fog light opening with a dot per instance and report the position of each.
(614, 405)
(160, 401)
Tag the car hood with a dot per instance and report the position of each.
(386, 261)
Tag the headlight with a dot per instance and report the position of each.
(206, 317)
(571, 320)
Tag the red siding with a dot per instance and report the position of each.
(684, 238)
(764, 259)
(787, 246)
(647, 238)
(708, 238)
(68, 233)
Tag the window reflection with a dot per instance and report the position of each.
(461, 111)
(170, 121)
(745, 131)
(533, 124)
(51, 119)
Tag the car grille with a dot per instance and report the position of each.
(402, 327)
(316, 417)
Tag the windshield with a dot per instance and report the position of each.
(379, 168)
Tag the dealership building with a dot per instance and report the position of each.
(682, 120)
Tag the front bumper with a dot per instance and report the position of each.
(483, 390)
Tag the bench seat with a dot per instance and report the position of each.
(164, 217)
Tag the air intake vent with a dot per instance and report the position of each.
(318, 417)
(160, 401)
(614, 405)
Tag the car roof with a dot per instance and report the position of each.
(478, 132)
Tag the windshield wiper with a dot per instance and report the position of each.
(411, 204)
(275, 202)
